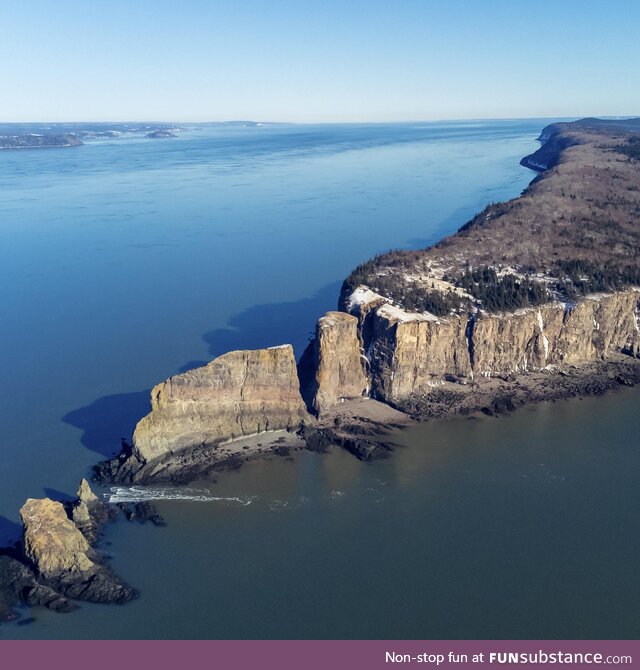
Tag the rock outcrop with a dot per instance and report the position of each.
(18, 584)
(339, 361)
(534, 298)
(193, 414)
(412, 353)
(62, 557)
(87, 512)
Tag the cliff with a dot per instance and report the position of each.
(339, 361)
(237, 395)
(412, 353)
(536, 298)
(544, 283)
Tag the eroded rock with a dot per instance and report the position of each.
(339, 361)
(414, 353)
(194, 414)
(62, 557)
(88, 513)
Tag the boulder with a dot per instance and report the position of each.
(63, 558)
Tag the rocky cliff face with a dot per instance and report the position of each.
(339, 361)
(87, 512)
(238, 394)
(410, 352)
(63, 558)
(428, 331)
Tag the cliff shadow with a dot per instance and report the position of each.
(10, 532)
(272, 324)
(59, 496)
(109, 420)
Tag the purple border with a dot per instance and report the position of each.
(308, 655)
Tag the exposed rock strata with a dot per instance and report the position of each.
(421, 330)
(63, 558)
(339, 361)
(236, 395)
(497, 396)
(412, 353)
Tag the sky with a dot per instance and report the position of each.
(317, 61)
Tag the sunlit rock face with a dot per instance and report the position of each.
(340, 363)
(238, 394)
(409, 352)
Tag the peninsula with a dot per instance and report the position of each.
(533, 299)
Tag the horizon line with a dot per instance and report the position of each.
(311, 122)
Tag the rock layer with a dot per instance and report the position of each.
(63, 558)
(411, 353)
(339, 361)
(238, 394)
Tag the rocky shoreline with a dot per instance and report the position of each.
(510, 310)
(409, 343)
(57, 562)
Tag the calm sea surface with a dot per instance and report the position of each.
(125, 261)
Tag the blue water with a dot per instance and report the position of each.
(125, 261)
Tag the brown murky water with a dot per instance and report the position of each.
(519, 527)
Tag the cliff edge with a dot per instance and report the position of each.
(533, 299)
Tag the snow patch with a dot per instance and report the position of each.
(393, 312)
(362, 296)
(545, 341)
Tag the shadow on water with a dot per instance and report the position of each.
(10, 531)
(108, 420)
(274, 323)
(59, 496)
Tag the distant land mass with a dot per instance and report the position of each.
(58, 135)
(157, 134)
(33, 141)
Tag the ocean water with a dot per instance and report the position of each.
(127, 260)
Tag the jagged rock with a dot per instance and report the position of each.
(14, 577)
(45, 596)
(88, 513)
(18, 584)
(142, 512)
(63, 558)
(85, 493)
(236, 395)
(340, 363)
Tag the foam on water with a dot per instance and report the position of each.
(134, 494)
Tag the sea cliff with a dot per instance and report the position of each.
(533, 299)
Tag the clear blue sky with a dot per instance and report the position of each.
(350, 60)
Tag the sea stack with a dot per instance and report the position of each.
(63, 558)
